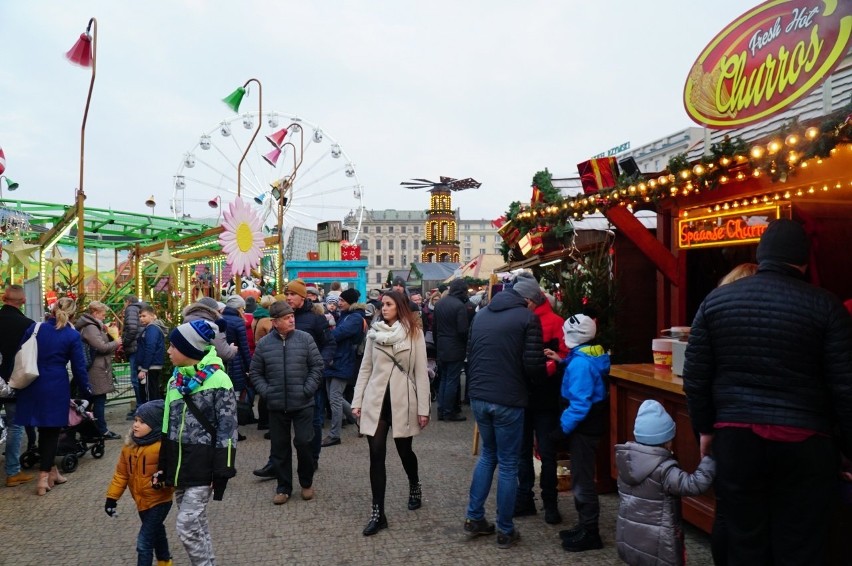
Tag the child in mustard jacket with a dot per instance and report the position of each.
(139, 461)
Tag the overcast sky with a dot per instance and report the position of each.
(493, 90)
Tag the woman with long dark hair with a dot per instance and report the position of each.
(392, 391)
(46, 401)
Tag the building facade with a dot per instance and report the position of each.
(390, 240)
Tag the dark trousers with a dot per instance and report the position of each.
(150, 390)
(320, 401)
(48, 444)
(280, 423)
(583, 457)
(538, 425)
(775, 497)
(152, 535)
(448, 390)
(99, 411)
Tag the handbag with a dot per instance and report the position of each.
(245, 411)
(26, 362)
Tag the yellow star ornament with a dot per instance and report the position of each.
(166, 262)
(20, 252)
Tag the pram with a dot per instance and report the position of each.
(71, 448)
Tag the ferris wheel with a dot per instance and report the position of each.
(325, 185)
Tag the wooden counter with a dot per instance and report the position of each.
(630, 385)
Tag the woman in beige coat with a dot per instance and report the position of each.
(392, 391)
(102, 348)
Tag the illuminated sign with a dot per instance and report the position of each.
(726, 228)
(766, 60)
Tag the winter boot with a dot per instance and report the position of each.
(377, 521)
(415, 496)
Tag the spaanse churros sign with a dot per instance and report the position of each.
(766, 60)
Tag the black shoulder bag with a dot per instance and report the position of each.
(205, 422)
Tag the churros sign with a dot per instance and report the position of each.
(766, 60)
(725, 229)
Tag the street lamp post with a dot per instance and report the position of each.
(84, 53)
(233, 101)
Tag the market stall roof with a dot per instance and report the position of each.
(104, 228)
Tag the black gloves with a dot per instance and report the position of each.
(219, 486)
(109, 506)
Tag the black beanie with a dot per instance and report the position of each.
(351, 296)
(785, 241)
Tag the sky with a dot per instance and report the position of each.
(494, 90)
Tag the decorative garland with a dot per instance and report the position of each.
(790, 148)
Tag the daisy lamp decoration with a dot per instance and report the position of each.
(241, 238)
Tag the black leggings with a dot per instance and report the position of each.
(48, 444)
(378, 452)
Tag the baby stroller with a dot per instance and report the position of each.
(81, 423)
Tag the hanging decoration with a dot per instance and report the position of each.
(777, 157)
(242, 238)
(20, 252)
(2, 161)
(166, 262)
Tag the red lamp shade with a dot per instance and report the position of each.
(277, 138)
(81, 53)
(272, 156)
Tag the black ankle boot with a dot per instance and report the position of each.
(377, 522)
(415, 496)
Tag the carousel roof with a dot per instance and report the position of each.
(104, 228)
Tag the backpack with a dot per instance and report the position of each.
(88, 354)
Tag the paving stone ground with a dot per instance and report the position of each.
(69, 526)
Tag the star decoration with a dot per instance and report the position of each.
(57, 260)
(20, 252)
(166, 262)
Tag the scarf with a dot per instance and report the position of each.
(149, 438)
(385, 335)
(187, 385)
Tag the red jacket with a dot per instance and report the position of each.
(551, 326)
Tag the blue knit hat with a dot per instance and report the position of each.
(653, 424)
(192, 338)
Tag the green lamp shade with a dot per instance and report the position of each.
(233, 100)
(10, 184)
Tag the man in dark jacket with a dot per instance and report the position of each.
(295, 294)
(13, 324)
(348, 334)
(506, 356)
(768, 382)
(286, 369)
(451, 326)
(129, 334)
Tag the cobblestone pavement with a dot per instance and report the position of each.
(69, 526)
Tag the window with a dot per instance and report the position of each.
(378, 244)
(378, 260)
(390, 244)
(404, 260)
(467, 238)
(467, 252)
(497, 239)
(402, 244)
(482, 250)
(378, 229)
(379, 278)
(482, 239)
(390, 261)
(390, 229)
(366, 229)
(416, 244)
(417, 229)
(403, 229)
(467, 226)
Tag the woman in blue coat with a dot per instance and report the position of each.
(45, 402)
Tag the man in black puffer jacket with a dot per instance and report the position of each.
(768, 381)
(506, 355)
(451, 324)
(286, 369)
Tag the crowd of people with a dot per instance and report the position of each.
(535, 383)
